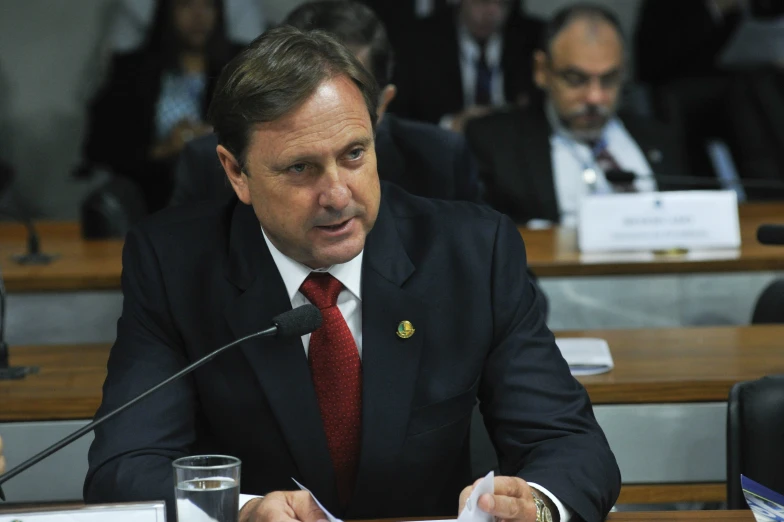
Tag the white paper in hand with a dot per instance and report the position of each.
(471, 512)
(330, 517)
(586, 356)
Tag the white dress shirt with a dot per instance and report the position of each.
(570, 158)
(294, 274)
(350, 305)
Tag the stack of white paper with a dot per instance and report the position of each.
(586, 356)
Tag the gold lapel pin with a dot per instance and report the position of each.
(405, 329)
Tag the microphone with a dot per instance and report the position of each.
(294, 323)
(624, 177)
(33, 256)
(771, 234)
(7, 372)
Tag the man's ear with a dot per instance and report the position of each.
(541, 69)
(233, 169)
(388, 94)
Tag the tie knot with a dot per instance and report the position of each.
(321, 289)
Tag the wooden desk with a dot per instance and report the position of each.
(553, 252)
(682, 516)
(82, 265)
(683, 365)
(651, 366)
(96, 265)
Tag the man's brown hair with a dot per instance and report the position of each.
(273, 76)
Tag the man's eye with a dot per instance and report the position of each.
(299, 168)
(575, 80)
(355, 154)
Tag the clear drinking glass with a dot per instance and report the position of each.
(207, 488)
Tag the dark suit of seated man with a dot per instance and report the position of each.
(539, 162)
(376, 424)
(422, 158)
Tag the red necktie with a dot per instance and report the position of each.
(607, 162)
(337, 378)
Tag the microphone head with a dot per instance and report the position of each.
(619, 176)
(771, 234)
(302, 320)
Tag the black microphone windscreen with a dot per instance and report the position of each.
(619, 176)
(771, 234)
(302, 320)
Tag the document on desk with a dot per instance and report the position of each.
(470, 513)
(767, 505)
(586, 356)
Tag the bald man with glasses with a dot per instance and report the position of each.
(539, 162)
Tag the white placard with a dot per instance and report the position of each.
(698, 219)
(138, 512)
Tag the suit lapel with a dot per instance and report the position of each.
(661, 159)
(389, 363)
(280, 365)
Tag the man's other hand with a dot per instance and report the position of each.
(283, 506)
(512, 501)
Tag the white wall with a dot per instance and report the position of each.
(48, 63)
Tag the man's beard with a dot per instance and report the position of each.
(592, 133)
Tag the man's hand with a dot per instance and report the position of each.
(283, 506)
(512, 501)
(2, 458)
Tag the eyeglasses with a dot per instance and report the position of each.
(576, 79)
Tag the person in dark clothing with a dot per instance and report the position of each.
(462, 62)
(155, 99)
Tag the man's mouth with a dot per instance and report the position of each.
(337, 228)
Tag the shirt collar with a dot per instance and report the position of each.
(469, 48)
(294, 273)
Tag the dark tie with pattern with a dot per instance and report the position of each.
(484, 76)
(337, 377)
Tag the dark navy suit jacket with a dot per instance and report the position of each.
(196, 277)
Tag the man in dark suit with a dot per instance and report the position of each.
(426, 307)
(537, 163)
(463, 61)
(421, 158)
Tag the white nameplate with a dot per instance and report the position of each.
(704, 219)
(137, 512)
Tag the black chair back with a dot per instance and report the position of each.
(112, 209)
(755, 436)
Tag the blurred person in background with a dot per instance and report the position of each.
(155, 99)
(694, 38)
(539, 162)
(419, 157)
(465, 60)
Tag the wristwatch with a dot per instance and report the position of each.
(542, 511)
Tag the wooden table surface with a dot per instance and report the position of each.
(678, 516)
(651, 366)
(553, 252)
(96, 265)
(81, 265)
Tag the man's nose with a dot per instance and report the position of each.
(335, 193)
(596, 93)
